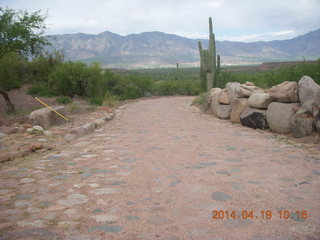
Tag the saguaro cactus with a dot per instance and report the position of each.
(209, 61)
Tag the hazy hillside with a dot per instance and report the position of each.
(157, 48)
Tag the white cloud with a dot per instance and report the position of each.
(247, 20)
(267, 36)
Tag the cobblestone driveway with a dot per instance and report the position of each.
(158, 171)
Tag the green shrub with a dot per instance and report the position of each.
(110, 99)
(63, 100)
(201, 99)
(96, 101)
(70, 78)
(41, 90)
(173, 87)
(12, 71)
(40, 68)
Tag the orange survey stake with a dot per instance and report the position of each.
(263, 214)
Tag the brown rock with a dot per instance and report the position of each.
(78, 131)
(224, 97)
(4, 157)
(24, 152)
(8, 130)
(21, 129)
(248, 90)
(35, 147)
(59, 132)
(26, 125)
(286, 92)
(237, 107)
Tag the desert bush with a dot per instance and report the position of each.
(63, 100)
(96, 101)
(267, 79)
(110, 99)
(12, 71)
(41, 90)
(201, 99)
(69, 79)
(40, 67)
(173, 87)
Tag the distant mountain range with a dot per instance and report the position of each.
(151, 49)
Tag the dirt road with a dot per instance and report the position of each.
(161, 170)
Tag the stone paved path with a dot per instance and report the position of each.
(158, 171)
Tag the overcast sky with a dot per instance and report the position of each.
(235, 20)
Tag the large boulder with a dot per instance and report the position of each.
(223, 111)
(207, 105)
(308, 90)
(247, 90)
(302, 125)
(47, 118)
(316, 111)
(286, 92)
(233, 90)
(279, 116)
(224, 97)
(237, 107)
(215, 101)
(260, 100)
(254, 118)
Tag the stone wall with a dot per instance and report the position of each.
(290, 107)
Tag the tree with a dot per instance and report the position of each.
(21, 33)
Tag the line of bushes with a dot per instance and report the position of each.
(267, 79)
(51, 76)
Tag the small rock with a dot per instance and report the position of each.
(35, 130)
(4, 157)
(8, 130)
(35, 147)
(108, 117)
(58, 132)
(21, 129)
(99, 123)
(69, 137)
(2, 134)
(78, 131)
(89, 127)
(48, 133)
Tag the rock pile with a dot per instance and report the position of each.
(287, 107)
